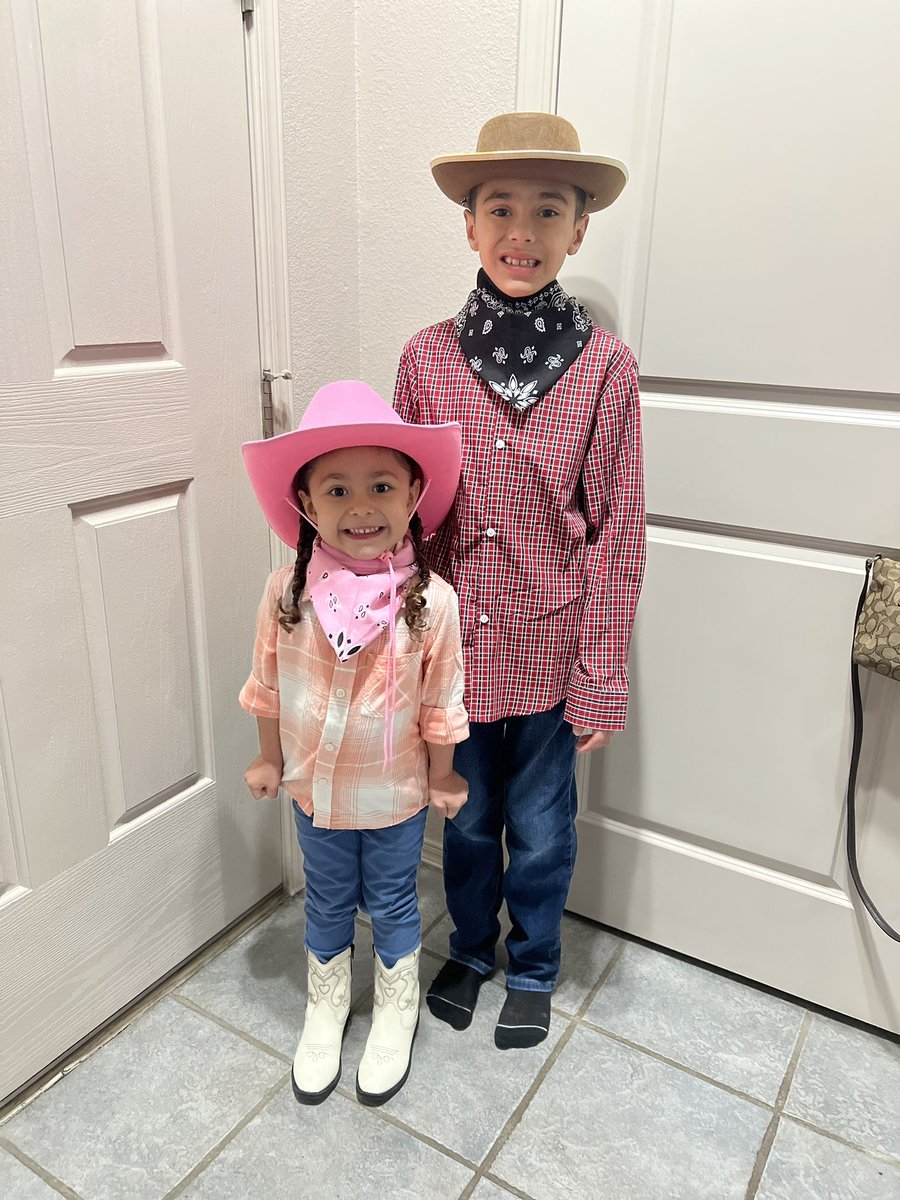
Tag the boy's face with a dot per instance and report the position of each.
(361, 499)
(522, 231)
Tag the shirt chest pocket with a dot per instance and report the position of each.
(557, 600)
(372, 691)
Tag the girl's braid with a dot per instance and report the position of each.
(414, 600)
(290, 616)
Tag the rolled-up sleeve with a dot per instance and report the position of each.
(260, 695)
(443, 719)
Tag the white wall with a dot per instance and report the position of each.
(372, 92)
(319, 110)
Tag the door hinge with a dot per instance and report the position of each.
(267, 412)
(248, 8)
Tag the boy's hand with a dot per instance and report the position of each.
(447, 793)
(263, 778)
(592, 739)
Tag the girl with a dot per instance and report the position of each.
(357, 686)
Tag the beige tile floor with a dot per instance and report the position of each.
(660, 1080)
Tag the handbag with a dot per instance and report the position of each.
(876, 646)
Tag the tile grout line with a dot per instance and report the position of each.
(506, 1187)
(382, 1115)
(678, 1066)
(480, 1171)
(198, 1168)
(342, 1090)
(575, 1017)
(877, 1155)
(544, 1070)
(776, 1107)
(768, 1140)
(131, 1013)
(429, 929)
(592, 995)
(519, 1111)
(193, 1006)
(41, 1172)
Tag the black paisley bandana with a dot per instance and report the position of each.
(521, 348)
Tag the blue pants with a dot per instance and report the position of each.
(373, 869)
(521, 778)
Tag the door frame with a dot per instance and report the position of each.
(262, 61)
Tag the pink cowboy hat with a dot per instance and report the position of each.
(350, 413)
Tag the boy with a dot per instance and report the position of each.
(545, 546)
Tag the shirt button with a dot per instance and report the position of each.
(340, 693)
(490, 533)
(329, 746)
(500, 444)
(484, 618)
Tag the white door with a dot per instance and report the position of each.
(132, 552)
(752, 265)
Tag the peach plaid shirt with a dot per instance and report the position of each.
(331, 713)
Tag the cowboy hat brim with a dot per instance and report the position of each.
(273, 463)
(601, 179)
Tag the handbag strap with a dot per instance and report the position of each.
(851, 782)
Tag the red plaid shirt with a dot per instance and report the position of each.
(545, 544)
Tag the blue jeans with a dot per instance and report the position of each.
(521, 778)
(372, 869)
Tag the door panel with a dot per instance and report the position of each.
(752, 272)
(133, 552)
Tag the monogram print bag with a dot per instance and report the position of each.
(876, 646)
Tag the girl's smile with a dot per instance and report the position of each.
(360, 499)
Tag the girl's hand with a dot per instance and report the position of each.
(263, 778)
(447, 793)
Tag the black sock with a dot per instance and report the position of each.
(454, 993)
(524, 1020)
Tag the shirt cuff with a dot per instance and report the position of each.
(590, 707)
(444, 726)
(259, 700)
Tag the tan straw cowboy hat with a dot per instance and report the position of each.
(531, 146)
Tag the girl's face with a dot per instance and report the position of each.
(361, 499)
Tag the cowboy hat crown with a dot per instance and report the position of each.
(343, 415)
(529, 145)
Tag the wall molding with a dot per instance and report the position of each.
(263, 73)
(540, 28)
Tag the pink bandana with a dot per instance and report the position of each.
(356, 601)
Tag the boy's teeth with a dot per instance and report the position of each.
(521, 262)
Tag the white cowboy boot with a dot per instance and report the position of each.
(317, 1063)
(395, 1017)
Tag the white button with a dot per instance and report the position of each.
(484, 618)
(490, 533)
(329, 746)
(340, 693)
(500, 444)
(323, 783)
